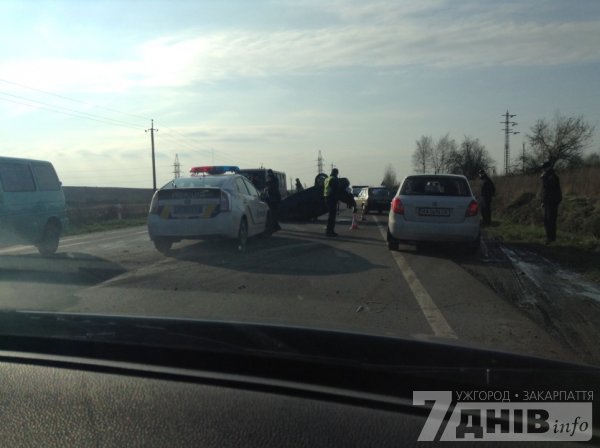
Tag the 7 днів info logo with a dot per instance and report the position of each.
(502, 416)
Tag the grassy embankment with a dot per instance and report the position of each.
(95, 209)
(518, 218)
(105, 217)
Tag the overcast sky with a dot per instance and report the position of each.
(273, 82)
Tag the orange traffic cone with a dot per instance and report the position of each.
(354, 225)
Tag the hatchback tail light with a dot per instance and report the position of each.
(472, 209)
(397, 206)
(225, 202)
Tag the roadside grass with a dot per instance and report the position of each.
(102, 226)
(576, 251)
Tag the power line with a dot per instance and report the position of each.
(70, 99)
(65, 111)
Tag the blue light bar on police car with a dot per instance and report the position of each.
(221, 169)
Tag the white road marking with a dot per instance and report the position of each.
(432, 313)
(15, 249)
(83, 239)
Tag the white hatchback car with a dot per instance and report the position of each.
(208, 204)
(434, 208)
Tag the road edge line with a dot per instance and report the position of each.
(433, 315)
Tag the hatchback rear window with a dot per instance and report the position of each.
(380, 192)
(435, 186)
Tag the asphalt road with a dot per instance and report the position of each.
(296, 277)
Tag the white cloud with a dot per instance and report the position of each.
(381, 35)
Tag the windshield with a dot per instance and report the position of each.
(477, 122)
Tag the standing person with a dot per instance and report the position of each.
(551, 197)
(299, 186)
(330, 192)
(273, 200)
(488, 190)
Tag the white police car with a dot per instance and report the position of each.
(213, 201)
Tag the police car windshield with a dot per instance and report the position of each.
(194, 182)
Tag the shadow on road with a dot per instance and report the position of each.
(279, 254)
(63, 268)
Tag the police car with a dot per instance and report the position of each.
(214, 201)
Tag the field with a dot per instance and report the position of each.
(91, 209)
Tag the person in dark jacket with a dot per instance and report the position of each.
(551, 197)
(488, 190)
(330, 193)
(273, 198)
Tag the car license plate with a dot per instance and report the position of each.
(187, 210)
(434, 212)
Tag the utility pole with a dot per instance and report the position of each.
(523, 159)
(320, 163)
(508, 124)
(152, 130)
(177, 167)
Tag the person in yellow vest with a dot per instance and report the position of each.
(330, 191)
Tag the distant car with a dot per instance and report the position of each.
(32, 204)
(356, 189)
(372, 199)
(434, 208)
(211, 203)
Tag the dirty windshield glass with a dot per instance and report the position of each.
(121, 98)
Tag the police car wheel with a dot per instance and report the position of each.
(242, 235)
(163, 245)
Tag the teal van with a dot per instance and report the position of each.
(32, 204)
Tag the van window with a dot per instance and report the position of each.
(46, 177)
(16, 177)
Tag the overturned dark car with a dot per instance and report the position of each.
(309, 204)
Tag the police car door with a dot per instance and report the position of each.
(258, 206)
(249, 207)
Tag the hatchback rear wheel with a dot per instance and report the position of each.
(474, 246)
(393, 243)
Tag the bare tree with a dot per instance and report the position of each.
(422, 156)
(470, 158)
(592, 159)
(442, 153)
(389, 177)
(561, 141)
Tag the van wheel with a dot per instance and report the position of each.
(50, 239)
(163, 245)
